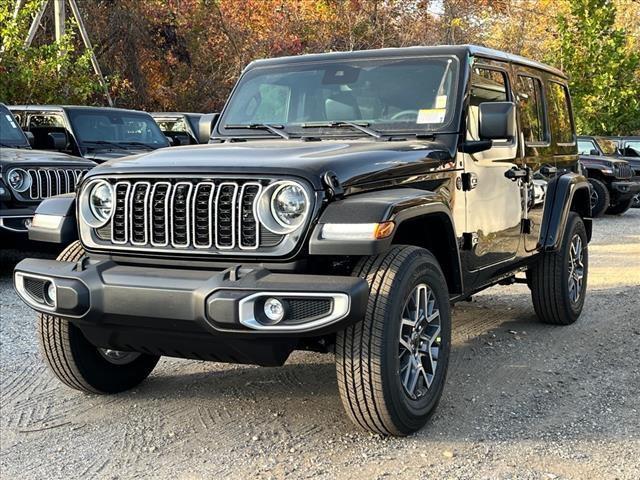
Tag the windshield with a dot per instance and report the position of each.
(632, 148)
(124, 129)
(11, 135)
(389, 95)
(609, 147)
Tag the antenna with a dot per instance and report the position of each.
(60, 17)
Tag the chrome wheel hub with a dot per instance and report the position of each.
(576, 268)
(118, 357)
(420, 341)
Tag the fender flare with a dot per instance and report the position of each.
(398, 205)
(564, 189)
(55, 220)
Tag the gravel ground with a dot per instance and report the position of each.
(523, 400)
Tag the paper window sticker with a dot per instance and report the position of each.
(431, 115)
(441, 101)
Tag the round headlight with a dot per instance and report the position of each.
(19, 180)
(97, 204)
(289, 205)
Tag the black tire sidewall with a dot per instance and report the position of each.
(621, 207)
(411, 415)
(574, 225)
(603, 197)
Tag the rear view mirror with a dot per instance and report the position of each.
(206, 125)
(30, 138)
(497, 120)
(57, 140)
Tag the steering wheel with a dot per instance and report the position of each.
(405, 113)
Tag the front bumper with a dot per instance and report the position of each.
(626, 189)
(187, 313)
(16, 220)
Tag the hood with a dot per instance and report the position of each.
(26, 157)
(101, 156)
(353, 161)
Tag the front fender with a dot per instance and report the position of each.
(568, 191)
(55, 220)
(397, 205)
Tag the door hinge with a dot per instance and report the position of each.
(469, 240)
(469, 181)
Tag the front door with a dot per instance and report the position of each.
(494, 209)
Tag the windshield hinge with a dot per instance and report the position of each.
(332, 184)
(469, 181)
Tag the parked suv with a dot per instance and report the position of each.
(629, 150)
(28, 176)
(347, 201)
(96, 133)
(612, 177)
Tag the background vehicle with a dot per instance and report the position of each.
(185, 128)
(612, 177)
(96, 133)
(629, 150)
(28, 176)
(341, 208)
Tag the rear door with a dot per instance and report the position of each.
(493, 207)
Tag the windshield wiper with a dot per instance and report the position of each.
(103, 143)
(275, 129)
(139, 144)
(363, 127)
(6, 145)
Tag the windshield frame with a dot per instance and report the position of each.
(87, 145)
(4, 111)
(450, 125)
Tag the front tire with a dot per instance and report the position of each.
(79, 364)
(600, 198)
(620, 207)
(558, 281)
(392, 366)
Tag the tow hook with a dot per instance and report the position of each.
(332, 185)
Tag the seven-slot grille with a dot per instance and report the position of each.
(623, 170)
(53, 181)
(187, 214)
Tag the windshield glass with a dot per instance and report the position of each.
(389, 95)
(609, 147)
(632, 148)
(11, 135)
(125, 129)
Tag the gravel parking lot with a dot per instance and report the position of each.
(523, 400)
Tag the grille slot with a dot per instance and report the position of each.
(53, 181)
(303, 310)
(186, 215)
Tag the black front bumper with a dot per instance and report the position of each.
(625, 189)
(190, 313)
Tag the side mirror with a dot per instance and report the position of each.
(497, 121)
(206, 125)
(594, 152)
(57, 140)
(171, 140)
(30, 138)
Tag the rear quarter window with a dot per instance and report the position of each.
(560, 114)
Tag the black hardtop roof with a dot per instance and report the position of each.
(60, 108)
(457, 50)
(173, 114)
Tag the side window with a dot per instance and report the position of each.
(531, 104)
(559, 113)
(487, 85)
(585, 147)
(41, 125)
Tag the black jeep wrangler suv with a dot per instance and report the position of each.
(346, 200)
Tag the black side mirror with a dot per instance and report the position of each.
(57, 141)
(497, 121)
(594, 152)
(30, 138)
(206, 125)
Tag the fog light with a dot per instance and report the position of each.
(50, 296)
(274, 309)
(27, 223)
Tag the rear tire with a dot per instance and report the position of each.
(79, 364)
(620, 207)
(558, 281)
(391, 368)
(600, 198)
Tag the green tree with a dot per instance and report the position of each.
(603, 68)
(47, 71)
